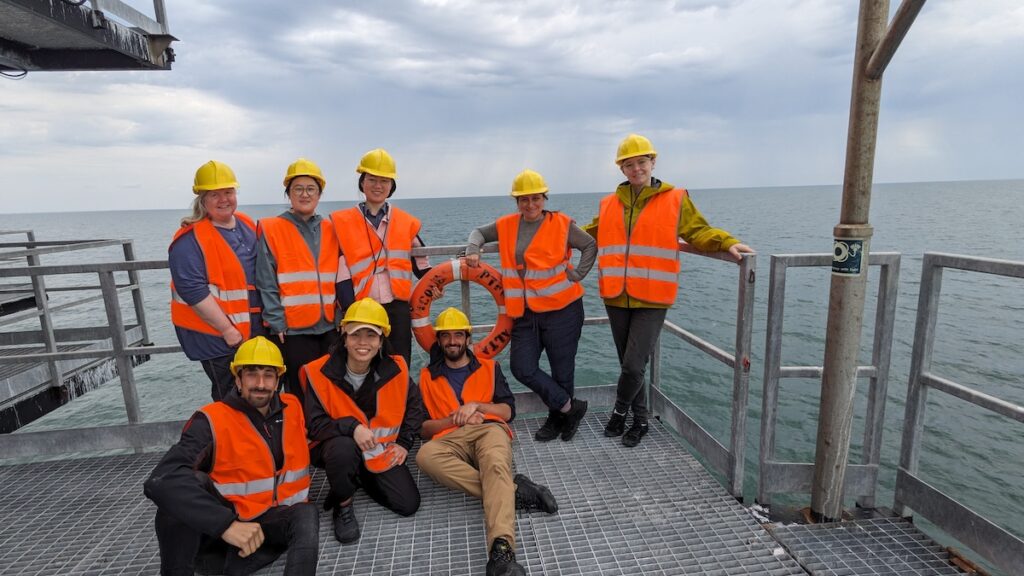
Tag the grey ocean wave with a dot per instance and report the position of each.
(966, 452)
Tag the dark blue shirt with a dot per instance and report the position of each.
(188, 271)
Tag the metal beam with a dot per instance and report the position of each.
(905, 16)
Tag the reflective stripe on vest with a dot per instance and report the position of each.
(439, 397)
(367, 255)
(306, 286)
(227, 282)
(644, 261)
(543, 286)
(243, 467)
(385, 424)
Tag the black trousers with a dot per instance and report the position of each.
(300, 349)
(400, 316)
(295, 529)
(218, 370)
(343, 461)
(635, 331)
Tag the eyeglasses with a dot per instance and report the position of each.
(307, 191)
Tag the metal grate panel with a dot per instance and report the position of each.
(871, 547)
(648, 510)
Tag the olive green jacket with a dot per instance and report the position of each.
(693, 228)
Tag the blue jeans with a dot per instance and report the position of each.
(558, 334)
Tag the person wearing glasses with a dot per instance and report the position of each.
(296, 269)
(214, 302)
(376, 241)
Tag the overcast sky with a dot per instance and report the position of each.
(466, 93)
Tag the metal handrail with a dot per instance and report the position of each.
(776, 477)
(138, 435)
(992, 542)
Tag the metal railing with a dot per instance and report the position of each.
(796, 477)
(138, 435)
(992, 542)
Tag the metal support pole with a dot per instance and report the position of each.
(905, 16)
(133, 279)
(45, 321)
(117, 340)
(849, 275)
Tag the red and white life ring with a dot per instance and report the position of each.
(429, 288)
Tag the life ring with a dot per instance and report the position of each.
(429, 288)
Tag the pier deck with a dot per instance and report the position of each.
(648, 510)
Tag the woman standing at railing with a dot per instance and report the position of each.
(296, 268)
(544, 297)
(212, 258)
(376, 241)
(638, 228)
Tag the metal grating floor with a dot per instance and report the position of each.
(647, 510)
(875, 546)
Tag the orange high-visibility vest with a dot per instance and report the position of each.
(243, 463)
(385, 424)
(544, 285)
(226, 277)
(306, 286)
(644, 261)
(366, 254)
(440, 400)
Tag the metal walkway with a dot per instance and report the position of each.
(649, 510)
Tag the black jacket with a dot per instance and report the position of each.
(174, 484)
(322, 427)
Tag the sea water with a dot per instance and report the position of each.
(967, 452)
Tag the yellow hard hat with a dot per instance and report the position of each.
(377, 162)
(366, 312)
(452, 319)
(214, 175)
(258, 351)
(634, 145)
(528, 182)
(303, 167)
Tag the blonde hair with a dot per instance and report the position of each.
(198, 211)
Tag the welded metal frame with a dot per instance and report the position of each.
(776, 477)
(992, 542)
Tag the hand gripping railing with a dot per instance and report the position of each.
(796, 477)
(984, 537)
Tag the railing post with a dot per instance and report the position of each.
(45, 322)
(881, 352)
(920, 362)
(741, 371)
(772, 361)
(117, 340)
(133, 279)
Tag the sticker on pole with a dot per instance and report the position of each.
(846, 256)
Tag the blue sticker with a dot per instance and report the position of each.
(846, 256)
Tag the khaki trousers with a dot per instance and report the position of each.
(477, 459)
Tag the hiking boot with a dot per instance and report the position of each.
(531, 496)
(502, 560)
(637, 431)
(552, 427)
(616, 425)
(573, 418)
(346, 527)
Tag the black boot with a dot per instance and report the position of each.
(573, 418)
(616, 425)
(531, 496)
(346, 527)
(551, 428)
(636, 431)
(502, 560)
